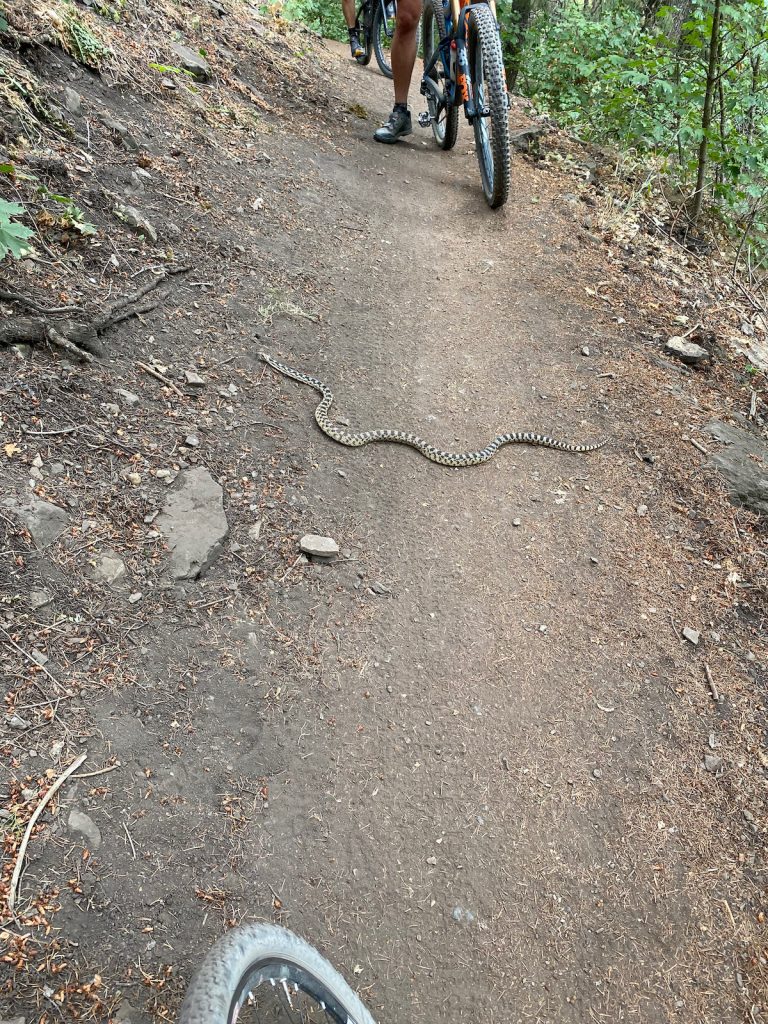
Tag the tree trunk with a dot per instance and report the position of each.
(706, 114)
(517, 21)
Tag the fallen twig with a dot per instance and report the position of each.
(159, 376)
(108, 317)
(31, 824)
(100, 771)
(711, 683)
(22, 300)
(698, 445)
(20, 650)
(50, 433)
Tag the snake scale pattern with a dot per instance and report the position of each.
(456, 460)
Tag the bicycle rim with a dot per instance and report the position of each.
(383, 31)
(492, 131)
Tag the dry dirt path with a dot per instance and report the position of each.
(453, 758)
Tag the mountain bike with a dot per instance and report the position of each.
(463, 65)
(376, 26)
(261, 973)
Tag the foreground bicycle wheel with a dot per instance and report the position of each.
(486, 67)
(263, 973)
(445, 117)
(383, 31)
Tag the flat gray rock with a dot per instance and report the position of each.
(687, 352)
(192, 61)
(44, 520)
(319, 547)
(743, 463)
(72, 101)
(194, 523)
(109, 567)
(85, 827)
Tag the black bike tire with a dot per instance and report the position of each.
(384, 66)
(433, 9)
(482, 28)
(210, 998)
(365, 39)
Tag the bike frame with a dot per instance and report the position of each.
(369, 8)
(461, 88)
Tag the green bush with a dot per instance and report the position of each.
(320, 15)
(620, 76)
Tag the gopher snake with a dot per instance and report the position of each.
(454, 459)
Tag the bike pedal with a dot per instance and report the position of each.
(425, 119)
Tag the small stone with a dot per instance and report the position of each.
(121, 130)
(57, 468)
(135, 219)
(517, 522)
(687, 352)
(72, 101)
(135, 598)
(593, 560)
(193, 379)
(167, 83)
(39, 599)
(109, 567)
(163, 474)
(110, 408)
(597, 773)
(380, 589)
(318, 547)
(39, 656)
(712, 763)
(191, 441)
(37, 462)
(16, 722)
(460, 914)
(254, 532)
(134, 478)
(642, 510)
(127, 397)
(691, 635)
(432, 861)
(585, 350)
(86, 827)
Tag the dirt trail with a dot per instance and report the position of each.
(453, 758)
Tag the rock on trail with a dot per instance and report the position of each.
(194, 523)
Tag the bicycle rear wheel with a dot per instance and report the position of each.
(366, 34)
(275, 975)
(383, 30)
(445, 117)
(486, 66)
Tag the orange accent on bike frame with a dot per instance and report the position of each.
(462, 83)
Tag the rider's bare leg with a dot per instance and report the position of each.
(404, 46)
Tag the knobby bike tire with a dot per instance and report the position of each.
(385, 65)
(364, 32)
(492, 154)
(221, 982)
(433, 21)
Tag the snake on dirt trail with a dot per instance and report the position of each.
(456, 460)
